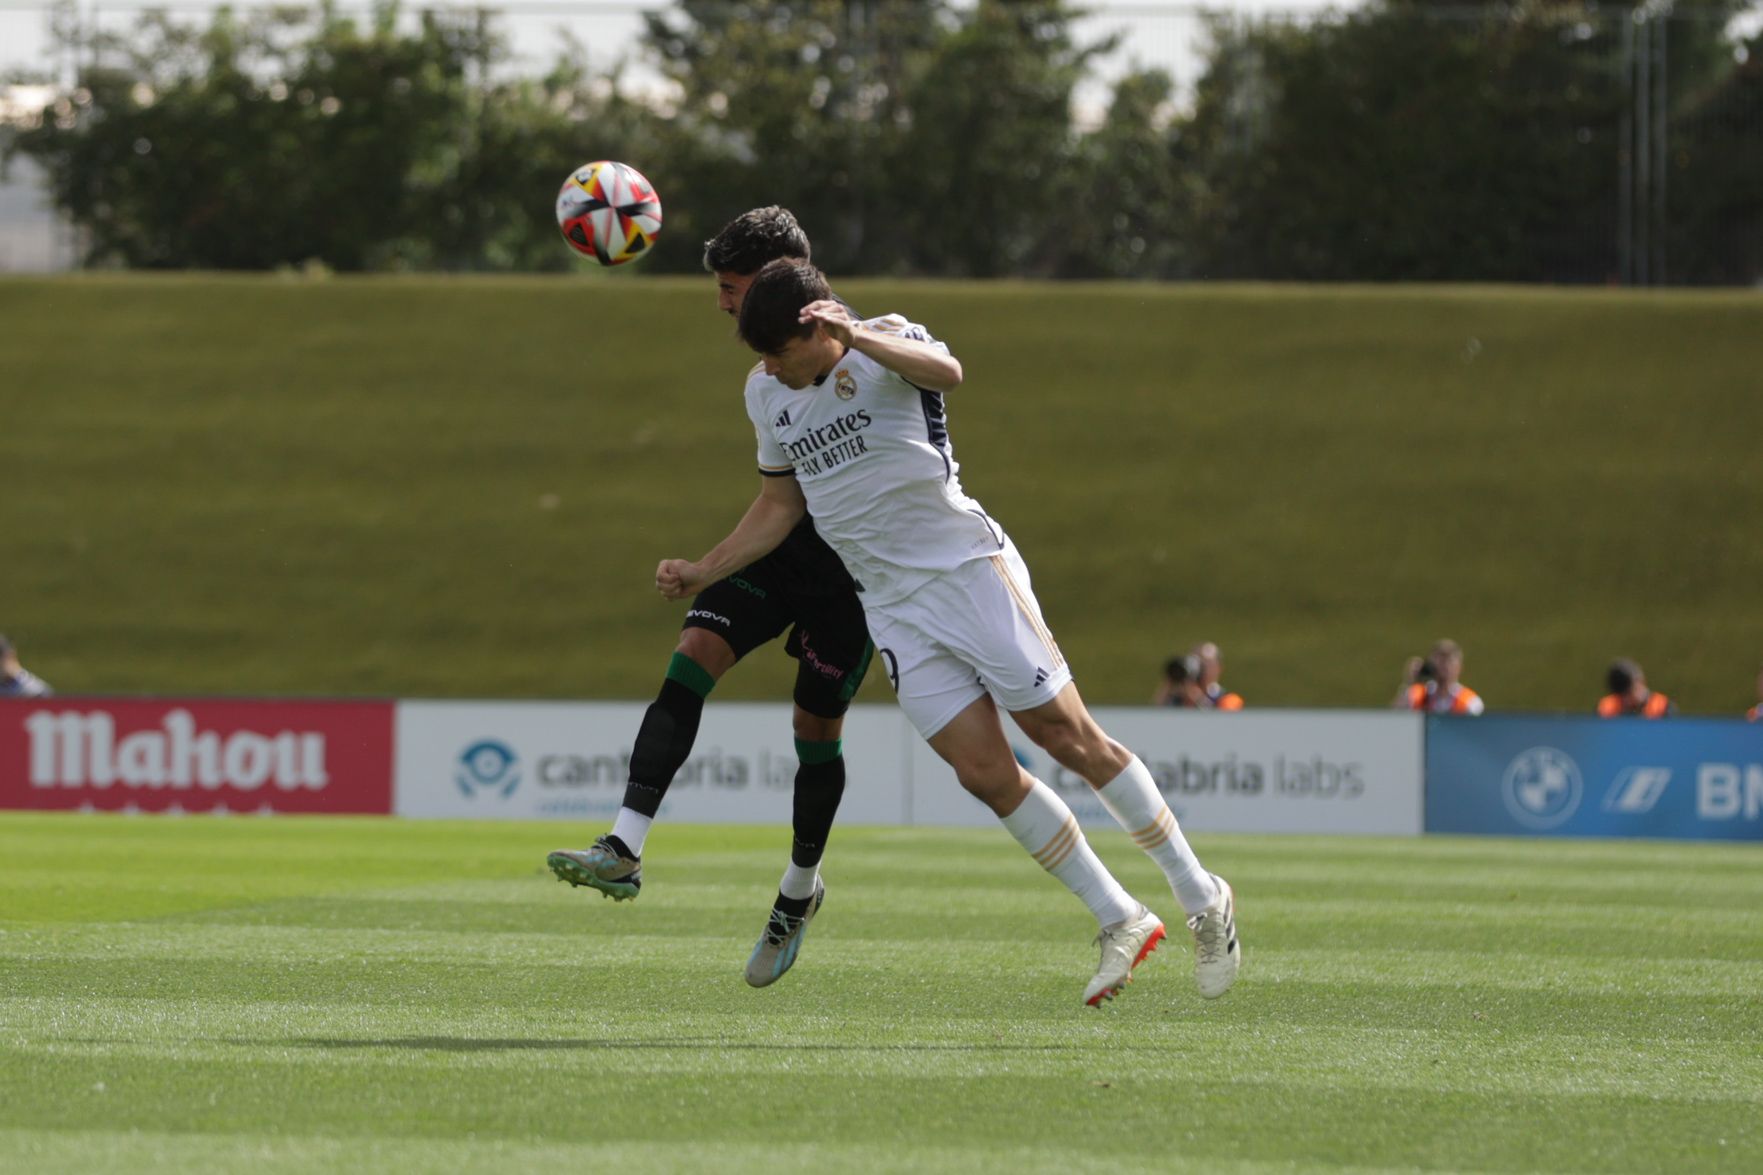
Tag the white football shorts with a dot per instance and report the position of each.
(970, 631)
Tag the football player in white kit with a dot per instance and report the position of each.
(851, 428)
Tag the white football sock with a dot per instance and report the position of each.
(1132, 798)
(1044, 826)
(633, 829)
(798, 881)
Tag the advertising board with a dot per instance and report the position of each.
(178, 755)
(570, 760)
(1688, 778)
(1334, 771)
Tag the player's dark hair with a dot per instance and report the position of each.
(771, 311)
(754, 238)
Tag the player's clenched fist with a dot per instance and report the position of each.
(677, 578)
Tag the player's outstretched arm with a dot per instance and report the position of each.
(768, 521)
(921, 364)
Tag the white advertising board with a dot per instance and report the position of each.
(1340, 771)
(1352, 772)
(570, 760)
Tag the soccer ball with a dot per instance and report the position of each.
(609, 212)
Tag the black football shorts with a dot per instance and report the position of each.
(827, 633)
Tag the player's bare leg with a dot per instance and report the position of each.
(973, 743)
(613, 864)
(1066, 731)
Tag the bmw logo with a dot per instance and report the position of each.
(1542, 788)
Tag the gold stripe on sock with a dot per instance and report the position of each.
(1056, 850)
(1157, 832)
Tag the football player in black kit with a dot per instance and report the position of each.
(801, 589)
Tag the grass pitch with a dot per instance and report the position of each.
(325, 994)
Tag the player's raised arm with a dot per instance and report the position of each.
(921, 364)
(768, 521)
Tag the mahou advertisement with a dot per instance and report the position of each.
(196, 756)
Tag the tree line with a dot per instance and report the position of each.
(1404, 140)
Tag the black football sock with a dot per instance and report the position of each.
(670, 727)
(820, 784)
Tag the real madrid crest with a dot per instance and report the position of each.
(845, 384)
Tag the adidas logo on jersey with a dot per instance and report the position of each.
(783, 419)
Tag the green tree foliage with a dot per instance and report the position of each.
(975, 186)
(279, 139)
(1398, 140)
(298, 136)
(485, 202)
(1392, 146)
(1717, 175)
(1132, 180)
(800, 103)
(1425, 141)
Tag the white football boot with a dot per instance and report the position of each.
(1124, 946)
(1216, 953)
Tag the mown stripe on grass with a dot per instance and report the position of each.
(1119, 1110)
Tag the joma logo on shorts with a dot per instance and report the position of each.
(701, 614)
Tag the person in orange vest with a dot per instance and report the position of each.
(1433, 683)
(1629, 696)
(1211, 667)
(1181, 684)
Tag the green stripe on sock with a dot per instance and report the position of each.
(691, 675)
(813, 753)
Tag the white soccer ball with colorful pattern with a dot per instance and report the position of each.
(609, 212)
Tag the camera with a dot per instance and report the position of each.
(1427, 671)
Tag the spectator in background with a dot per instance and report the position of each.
(1755, 713)
(1181, 684)
(15, 680)
(1215, 696)
(1433, 683)
(1629, 696)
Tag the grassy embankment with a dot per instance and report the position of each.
(461, 487)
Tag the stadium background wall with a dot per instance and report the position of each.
(1289, 771)
(459, 488)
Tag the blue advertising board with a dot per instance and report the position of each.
(1685, 778)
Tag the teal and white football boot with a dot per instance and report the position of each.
(778, 946)
(606, 866)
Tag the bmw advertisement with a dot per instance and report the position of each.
(1681, 778)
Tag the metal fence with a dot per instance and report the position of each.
(1634, 232)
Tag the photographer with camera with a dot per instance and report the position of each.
(1629, 695)
(1432, 684)
(1181, 684)
(1216, 696)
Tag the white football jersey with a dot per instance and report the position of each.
(871, 452)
